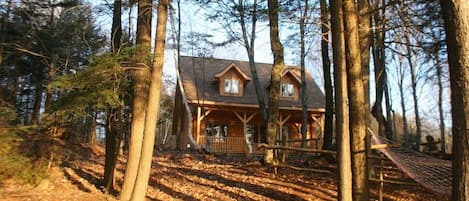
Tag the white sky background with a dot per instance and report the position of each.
(193, 20)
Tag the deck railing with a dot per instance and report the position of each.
(224, 144)
(238, 145)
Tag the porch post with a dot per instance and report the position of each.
(199, 110)
(284, 138)
(245, 119)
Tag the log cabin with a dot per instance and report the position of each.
(216, 106)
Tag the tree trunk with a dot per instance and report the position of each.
(249, 45)
(439, 69)
(3, 29)
(412, 65)
(456, 20)
(364, 10)
(328, 88)
(144, 166)
(401, 75)
(91, 138)
(113, 139)
(356, 102)
(51, 76)
(140, 96)
(113, 134)
(276, 75)
(37, 103)
(116, 30)
(413, 75)
(304, 97)
(389, 119)
(341, 108)
(380, 68)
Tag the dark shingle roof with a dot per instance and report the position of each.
(198, 78)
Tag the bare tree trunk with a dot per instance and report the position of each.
(457, 38)
(276, 75)
(412, 66)
(389, 119)
(37, 103)
(116, 32)
(140, 96)
(91, 137)
(51, 76)
(356, 91)
(144, 166)
(249, 45)
(113, 130)
(413, 75)
(4, 29)
(341, 96)
(439, 69)
(401, 75)
(328, 88)
(364, 10)
(380, 68)
(304, 97)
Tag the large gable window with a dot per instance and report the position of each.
(231, 86)
(287, 90)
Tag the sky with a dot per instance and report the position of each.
(193, 20)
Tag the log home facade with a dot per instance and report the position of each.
(216, 106)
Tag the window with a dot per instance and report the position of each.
(286, 90)
(217, 131)
(232, 86)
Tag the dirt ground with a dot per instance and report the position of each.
(193, 176)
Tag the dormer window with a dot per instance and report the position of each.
(289, 87)
(287, 90)
(232, 81)
(231, 86)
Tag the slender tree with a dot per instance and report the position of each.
(304, 97)
(113, 119)
(249, 45)
(357, 102)
(140, 96)
(151, 118)
(365, 31)
(341, 98)
(328, 88)
(456, 20)
(379, 64)
(400, 72)
(275, 78)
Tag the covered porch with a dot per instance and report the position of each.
(236, 130)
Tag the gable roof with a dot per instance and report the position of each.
(291, 71)
(235, 68)
(198, 75)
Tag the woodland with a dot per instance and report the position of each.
(87, 107)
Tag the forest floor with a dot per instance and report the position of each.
(194, 176)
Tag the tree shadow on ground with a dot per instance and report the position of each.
(257, 189)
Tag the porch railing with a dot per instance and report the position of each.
(237, 145)
(224, 144)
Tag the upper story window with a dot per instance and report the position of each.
(232, 81)
(287, 90)
(231, 86)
